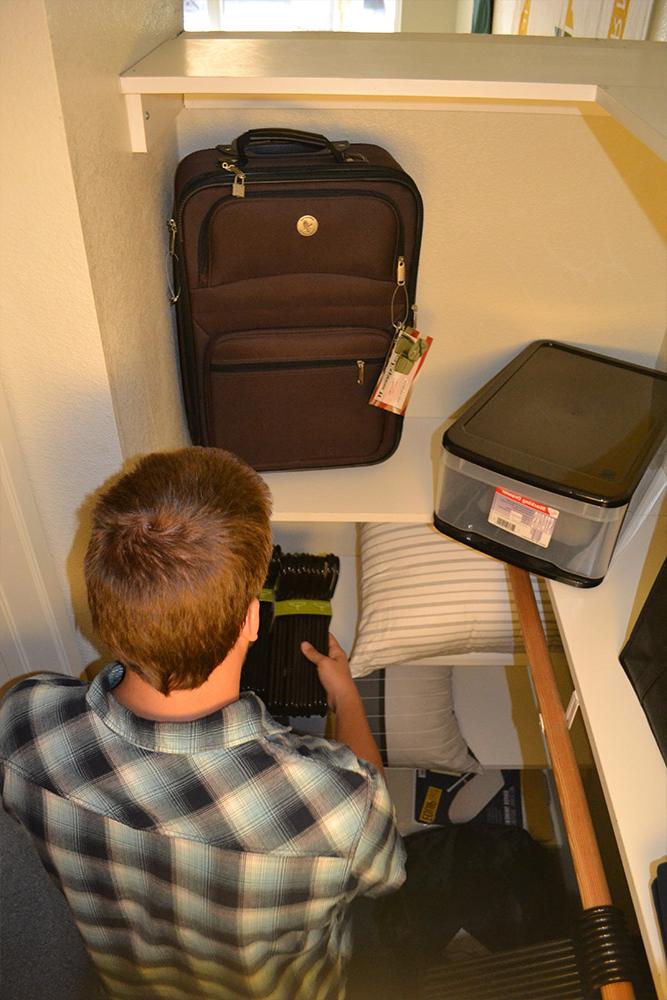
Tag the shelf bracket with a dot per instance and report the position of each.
(149, 116)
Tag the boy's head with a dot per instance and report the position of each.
(179, 549)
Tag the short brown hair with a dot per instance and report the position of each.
(179, 548)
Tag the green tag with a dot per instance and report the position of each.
(296, 606)
(266, 594)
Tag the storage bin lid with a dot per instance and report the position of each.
(568, 420)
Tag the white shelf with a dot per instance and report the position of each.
(594, 625)
(399, 489)
(625, 79)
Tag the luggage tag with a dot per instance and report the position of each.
(401, 368)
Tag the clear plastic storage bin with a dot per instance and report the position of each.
(550, 459)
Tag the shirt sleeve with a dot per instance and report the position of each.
(378, 863)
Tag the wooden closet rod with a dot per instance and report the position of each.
(591, 878)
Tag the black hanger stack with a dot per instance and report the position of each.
(295, 604)
(305, 586)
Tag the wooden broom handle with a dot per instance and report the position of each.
(588, 868)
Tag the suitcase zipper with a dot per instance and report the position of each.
(251, 366)
(203, 247)
(212, 179)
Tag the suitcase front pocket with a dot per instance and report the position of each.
(280, 233)
(299, 399)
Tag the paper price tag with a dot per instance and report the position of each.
(523, 517)
(404, 362)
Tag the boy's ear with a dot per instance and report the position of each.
(251, 624)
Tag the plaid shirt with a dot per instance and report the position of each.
(209, 859)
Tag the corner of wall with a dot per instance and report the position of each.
(52, 367)
(124, 201)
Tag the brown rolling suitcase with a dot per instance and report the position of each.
(295, 262)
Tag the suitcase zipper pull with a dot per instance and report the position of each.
(361, 366)
(174, 293)
(238, 187)
(173, 229)
(400, 284)
(400, 271)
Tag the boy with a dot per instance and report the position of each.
(204, 849)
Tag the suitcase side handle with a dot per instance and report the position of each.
(302, 143)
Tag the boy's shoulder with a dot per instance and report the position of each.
(35, 704)
(315, 755)
(41, 688)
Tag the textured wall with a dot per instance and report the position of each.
(536, 225)
(51, 361)
(86, 353)
(124, 201)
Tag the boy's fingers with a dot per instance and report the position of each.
(334, 646)
(312, 654)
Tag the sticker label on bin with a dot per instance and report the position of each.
(526, 518)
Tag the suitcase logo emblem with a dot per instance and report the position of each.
(307, 225)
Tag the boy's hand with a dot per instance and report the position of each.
(333, 670)
(351, 725)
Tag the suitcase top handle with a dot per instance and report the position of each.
(285, 142)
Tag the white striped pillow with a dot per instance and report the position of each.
(410, 710)
(424, 595)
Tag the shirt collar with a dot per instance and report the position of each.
(239, 722)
